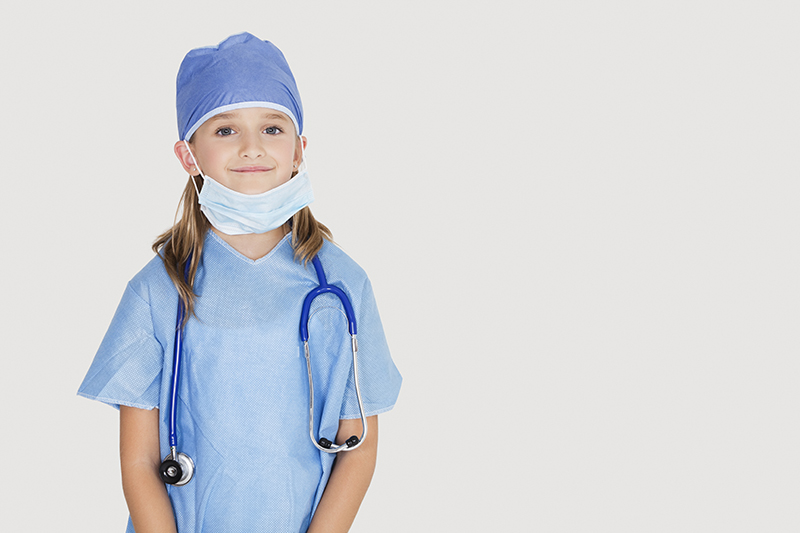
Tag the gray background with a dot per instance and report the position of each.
(580, 220)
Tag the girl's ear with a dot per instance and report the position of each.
(298, 150)
(187, 162)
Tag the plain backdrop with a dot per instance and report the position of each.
(580, 220)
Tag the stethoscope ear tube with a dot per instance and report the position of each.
(323, 444)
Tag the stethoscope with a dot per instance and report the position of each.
(178, 468)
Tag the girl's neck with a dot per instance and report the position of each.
(254, 245)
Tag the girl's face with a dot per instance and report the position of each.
(250, 150)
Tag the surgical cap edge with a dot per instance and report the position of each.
(241, 105)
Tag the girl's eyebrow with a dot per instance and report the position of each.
(275, 116)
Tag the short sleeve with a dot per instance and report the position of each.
(378, 377)
(127, 367)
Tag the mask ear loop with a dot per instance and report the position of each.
(194, 182)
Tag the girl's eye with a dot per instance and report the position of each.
(272, 130)
(224, 132)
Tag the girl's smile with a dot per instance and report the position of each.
(252, 169)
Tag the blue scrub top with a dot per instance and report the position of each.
(243, 396)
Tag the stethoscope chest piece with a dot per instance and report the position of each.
(178, 472)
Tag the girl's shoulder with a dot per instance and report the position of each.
(152, 281)
(339, 265)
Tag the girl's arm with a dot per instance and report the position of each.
(350, 478)
(148, 503)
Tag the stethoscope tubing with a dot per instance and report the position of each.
(177, 468)
(176, 371)
(324, 288)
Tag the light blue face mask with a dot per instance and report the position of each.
(235, 213)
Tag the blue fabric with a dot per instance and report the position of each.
(243, 414)
(241, 71)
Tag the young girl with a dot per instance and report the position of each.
(220, 430)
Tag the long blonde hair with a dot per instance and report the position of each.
(184, 240)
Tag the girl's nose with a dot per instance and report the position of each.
(251, 147)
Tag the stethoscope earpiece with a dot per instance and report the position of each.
(325, 443)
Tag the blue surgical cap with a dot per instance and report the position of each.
(241, 71)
